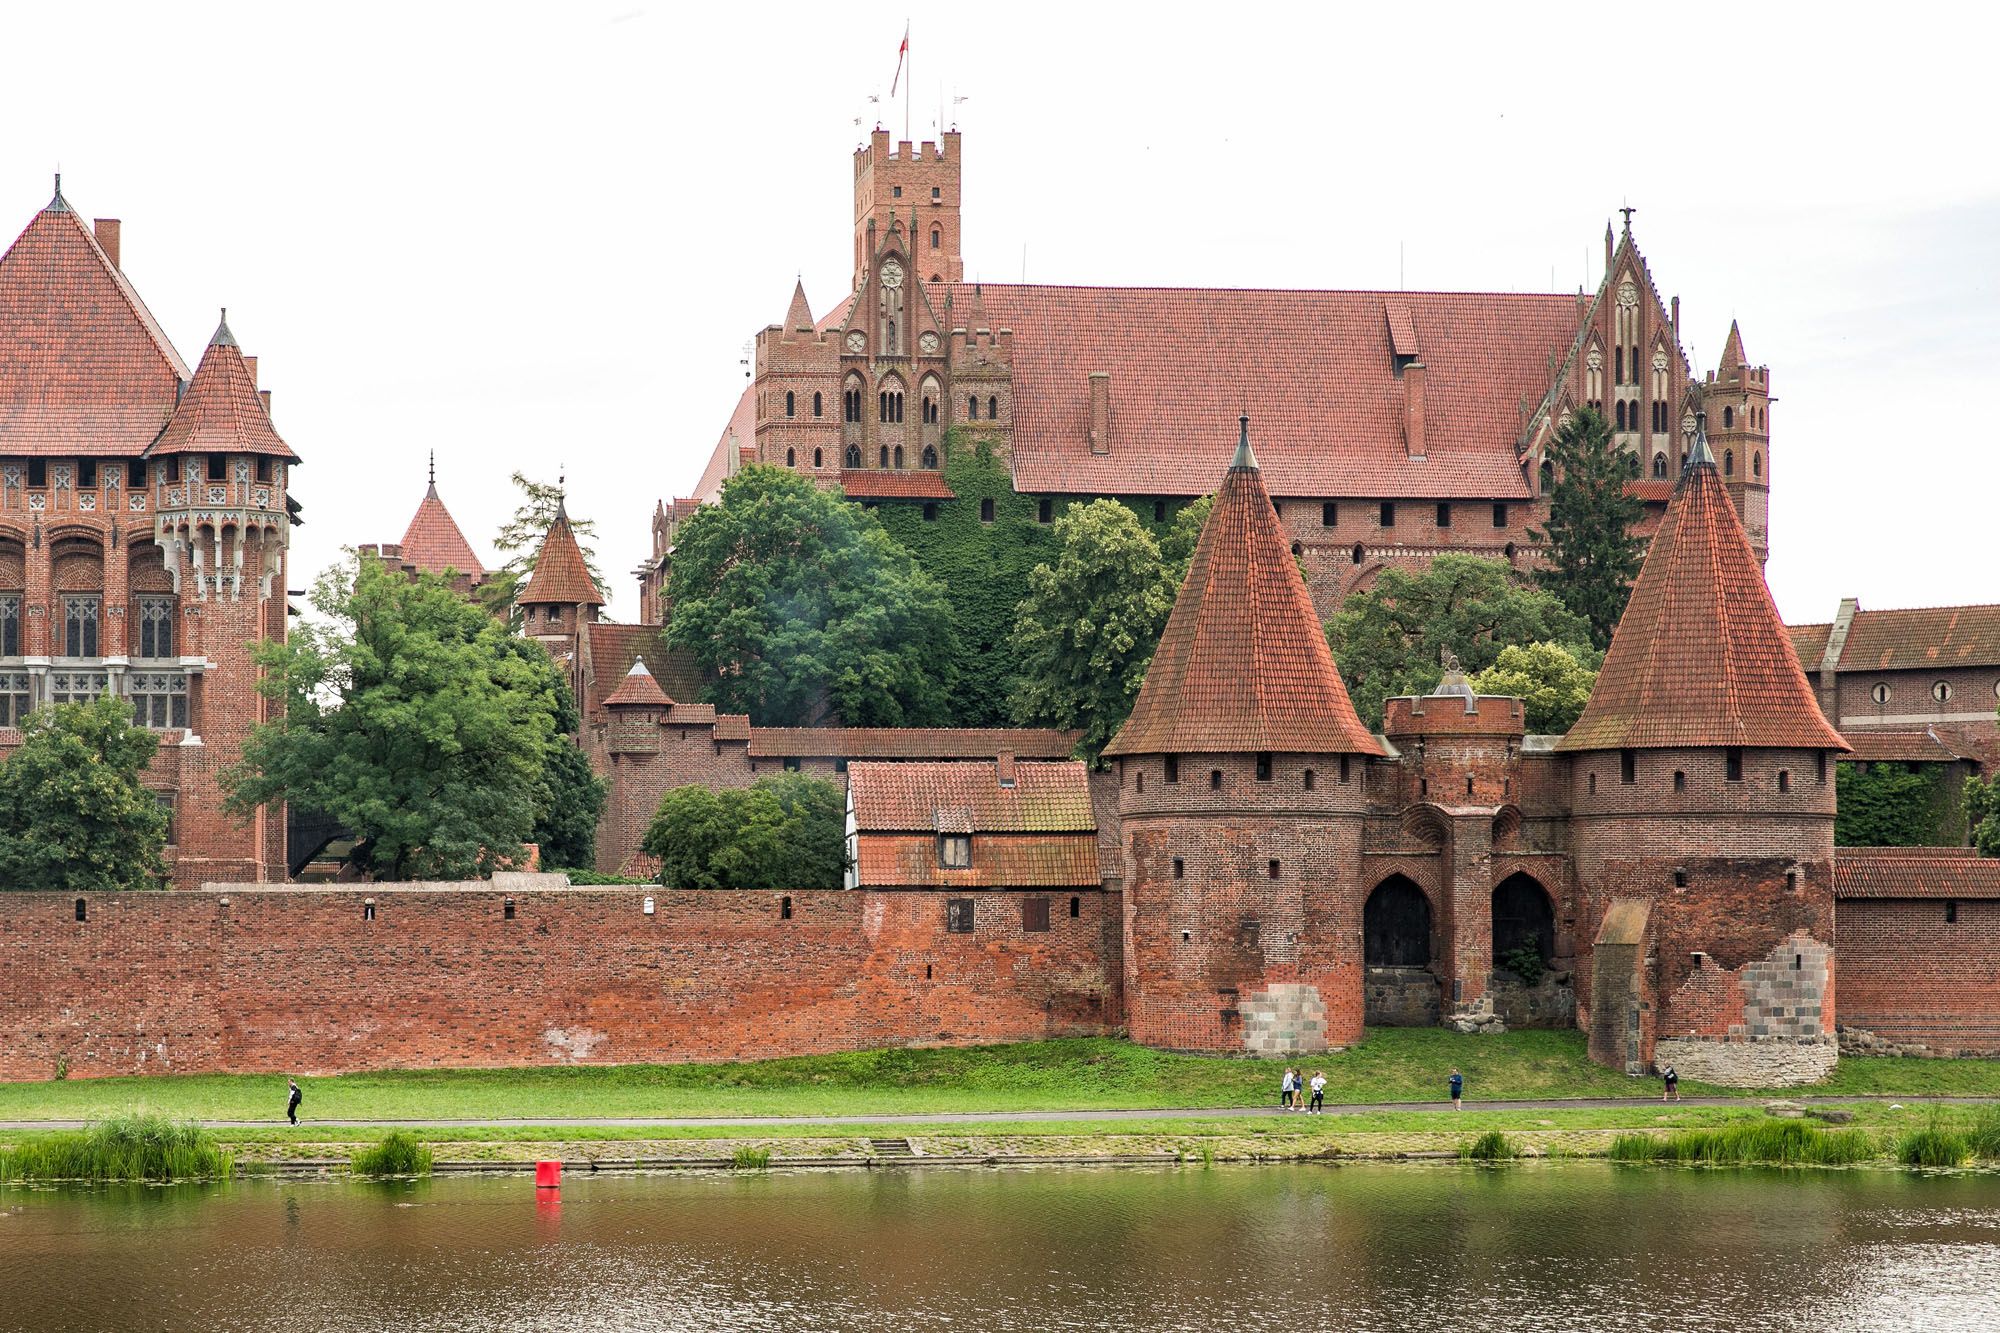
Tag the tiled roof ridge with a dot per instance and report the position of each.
(1178, 289)
(433, 528)
(221, 401)
(133, 301)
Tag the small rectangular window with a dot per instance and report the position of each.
(218, 467)
(173, 469)
(1173, 767)
(165, 799)
(1628, 766)
(785, 908)
(1045, 510)
(1034, 914)
(1274, 869)
(791, 763)
(985, 511)
(1951, 913)
(955, 851)
(1329, 514)
(1159, 511)
(1344, 759)
(1075, 906)
(1444, 515)
(1680, 879)
(1500, 516)
(1215, 779)
(86, 474)
(38, 472)
(1820, 765)
(930, 511)
(958, 916)
(1732, 764)
(263, 467)
(136, 471)
(1264, 767)
(1388, 513)
(1180, 868)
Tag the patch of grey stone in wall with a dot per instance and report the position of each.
(1285, 1019)
(1784, 991)
(1770, 1063)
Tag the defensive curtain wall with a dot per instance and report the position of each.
(255, 978)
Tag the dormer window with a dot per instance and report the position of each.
(955, 851)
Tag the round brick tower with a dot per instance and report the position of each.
(1703, 800)
(1241, 804)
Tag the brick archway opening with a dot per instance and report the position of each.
(1396, 925)
(1523, 915)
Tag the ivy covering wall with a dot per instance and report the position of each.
(1898, 805)
(984, 565)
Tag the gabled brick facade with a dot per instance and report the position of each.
(144, 519)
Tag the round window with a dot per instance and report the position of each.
(1941, 691)
(1880, 694)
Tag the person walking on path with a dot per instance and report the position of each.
(1319, 1092)
(292, 1102)
(1457, 1090)
(1671, 1078)
(1287, 1089)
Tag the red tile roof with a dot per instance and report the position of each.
(561, 577)
(1243, 665)
(1700, 656)
(871, 484)
(1914, 872)
(722, 462)
(799, 318)
(1732, 353)
(1906, 745)
(433, 543)
(966, 796)
(910, 742)
(1922, 637)
(729, 726)
(221, 413)
(1809, 642)
(999, 861)
(84, 367)
(613, 650)
(1652, 492)
(638, 690)
(1318, 366)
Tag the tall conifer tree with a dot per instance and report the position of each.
(1591, 551)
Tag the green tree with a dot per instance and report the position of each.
(1086, 631)
(782, 832)
(1982, 813)
(569, 796)
(73, 815)
(1887, 805)
(1183, 535)
(520, 540)
(1387, 640)
(1590, 552)
(801, 609)
(409, 715)
(1552, 681)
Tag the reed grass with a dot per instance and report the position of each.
(1754, 1143)
(126, 1147)
(750, 1159)
(1982, 1134)
(1940, 1142)
(1492, 1146)
(398, 1154)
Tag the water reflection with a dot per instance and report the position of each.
(1539, 1247)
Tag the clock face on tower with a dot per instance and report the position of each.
(928, 344)
(892, 274)
(856, 341)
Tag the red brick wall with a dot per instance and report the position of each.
(296, 980)
(1909, 975)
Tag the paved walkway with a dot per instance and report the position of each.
(1010, 1117)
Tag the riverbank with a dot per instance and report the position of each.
(1399, 1065)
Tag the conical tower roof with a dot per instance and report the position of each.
(799, 319)
(1732, 352)
(638, 690)
(1700, 657)
(433, 542)
(561, 576)
(1243, 665)
(221, 412)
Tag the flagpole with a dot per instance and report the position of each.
(911, 70)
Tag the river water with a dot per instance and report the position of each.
(1535, 1246)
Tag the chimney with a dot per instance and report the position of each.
(1100, 411)
(107, 238)
(251, 362)
(1413, 409)
(1003, 765)
(264, 397)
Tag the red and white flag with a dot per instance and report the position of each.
(902, 52)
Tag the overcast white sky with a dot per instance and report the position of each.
(531, 236)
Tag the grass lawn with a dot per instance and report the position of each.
(1393, 1064)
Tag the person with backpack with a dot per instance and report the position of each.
(1457, 1090)
(292, 1102)
(1318, 1106)
(1671, 1079)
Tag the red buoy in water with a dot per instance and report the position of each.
(548, 1175)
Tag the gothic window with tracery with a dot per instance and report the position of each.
(16, 697)
(80, 626)
(160, 699)
(854, 455)
(156, 627)
(10, 627)
(77, 687)
(930, 458)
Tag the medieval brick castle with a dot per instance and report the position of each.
(1254, 871)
